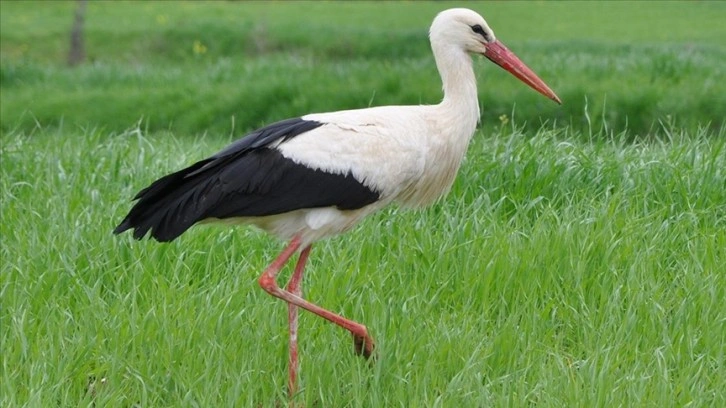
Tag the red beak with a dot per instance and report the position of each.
(500, 55)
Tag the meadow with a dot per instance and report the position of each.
(578, 260)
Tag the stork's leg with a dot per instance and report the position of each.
(363, 342)
(294, 287)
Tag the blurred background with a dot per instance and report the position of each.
(226, 67)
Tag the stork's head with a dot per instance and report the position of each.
(469, 31)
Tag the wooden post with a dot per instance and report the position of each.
(77, 52)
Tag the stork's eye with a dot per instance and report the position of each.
(479, 30)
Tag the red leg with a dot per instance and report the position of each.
(363, 342)
(295, 287)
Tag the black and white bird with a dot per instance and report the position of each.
(313, 177)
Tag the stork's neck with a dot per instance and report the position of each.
(460, 95)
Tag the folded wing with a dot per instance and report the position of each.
(249, 178)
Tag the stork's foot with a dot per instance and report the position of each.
(364, 346)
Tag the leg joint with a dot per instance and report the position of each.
(268, 283)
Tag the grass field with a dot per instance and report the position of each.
(197, 67)
(578, 261)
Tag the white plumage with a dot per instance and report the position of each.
(316, 176)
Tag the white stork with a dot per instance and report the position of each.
(313, 177)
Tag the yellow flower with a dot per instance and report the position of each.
(199, 48)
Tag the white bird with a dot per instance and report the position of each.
(313, 177)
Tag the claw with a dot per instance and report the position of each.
(364, 347)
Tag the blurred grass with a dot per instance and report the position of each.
(629, 64)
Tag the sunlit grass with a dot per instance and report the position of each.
(563, 270)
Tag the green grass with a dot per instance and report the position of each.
(630, 64)
(560, 272)
(579, 263)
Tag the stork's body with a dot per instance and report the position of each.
(313, 177)
(391, 152)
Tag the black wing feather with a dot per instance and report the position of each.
(248, 178)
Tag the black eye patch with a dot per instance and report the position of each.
(479, 30)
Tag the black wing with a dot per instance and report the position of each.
(248, 178)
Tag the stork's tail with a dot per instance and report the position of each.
(163, 208)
